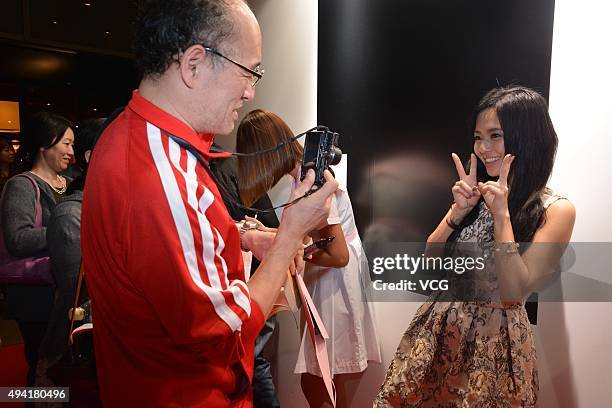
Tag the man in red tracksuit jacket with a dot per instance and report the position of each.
(175, 322)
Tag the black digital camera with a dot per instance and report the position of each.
(320, 151)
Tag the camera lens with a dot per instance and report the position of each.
(335, 155)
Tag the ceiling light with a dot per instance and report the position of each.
(48, 104)
(9, 117)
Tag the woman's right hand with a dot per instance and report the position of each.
(465, 191)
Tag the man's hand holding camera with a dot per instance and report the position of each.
(310, 212)
(298, 219)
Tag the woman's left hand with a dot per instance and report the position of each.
(495, 193)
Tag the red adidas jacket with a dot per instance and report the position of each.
(174, 324)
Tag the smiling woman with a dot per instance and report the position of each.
(489, 141)
(479, 350)
(47, 150)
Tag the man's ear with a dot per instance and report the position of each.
(87, 155)
(191, 64)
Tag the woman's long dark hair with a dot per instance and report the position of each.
(530, 136)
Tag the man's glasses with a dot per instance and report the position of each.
(255, 74)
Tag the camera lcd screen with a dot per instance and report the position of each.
(311, 148)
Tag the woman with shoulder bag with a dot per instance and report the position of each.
(47, 151)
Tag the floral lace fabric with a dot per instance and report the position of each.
(465, 354)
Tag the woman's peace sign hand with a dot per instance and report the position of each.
(465, 191)
(495, 193)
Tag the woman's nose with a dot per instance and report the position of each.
(485, 145)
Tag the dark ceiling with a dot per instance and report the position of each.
(71, 57)
(97, 26)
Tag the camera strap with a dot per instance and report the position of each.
(224, 194)
(228, 197)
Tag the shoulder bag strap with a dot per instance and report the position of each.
(38, 209)
(75, 303)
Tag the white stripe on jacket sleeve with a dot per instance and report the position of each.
(238, 294)
(181, 221)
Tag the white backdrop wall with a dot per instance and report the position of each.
(289, 88)
(574, 340)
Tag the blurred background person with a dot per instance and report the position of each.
(8, 158)
(8, 168)
(334, 275)
(47, 151)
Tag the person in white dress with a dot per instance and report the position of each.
(337, 285)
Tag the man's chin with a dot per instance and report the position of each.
(228, 129)
(225, 132)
